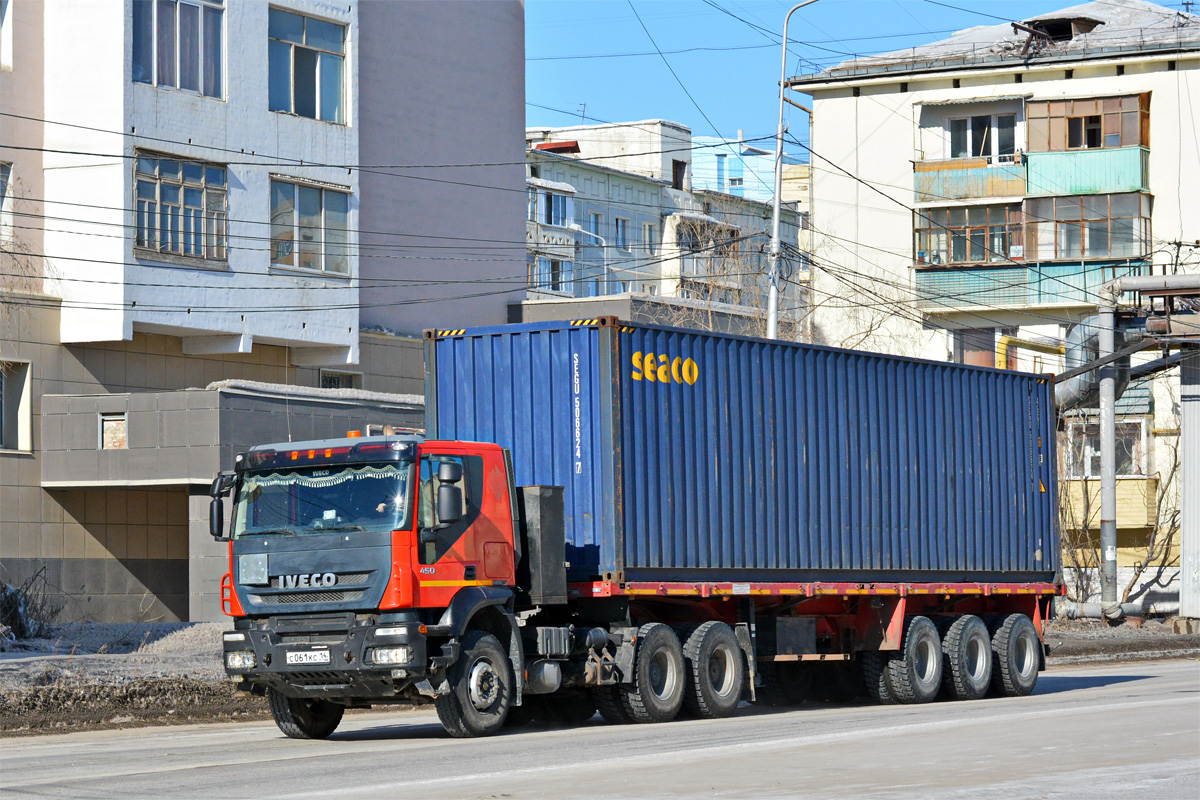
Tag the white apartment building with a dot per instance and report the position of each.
(981, 189)
(218, 226)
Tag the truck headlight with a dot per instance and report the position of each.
(240, 659)
(234, 637)
(390, 655)
(400, 631)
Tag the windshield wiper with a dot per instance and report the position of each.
(271, 532)
(350, 526)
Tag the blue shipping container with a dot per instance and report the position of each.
(688, 455)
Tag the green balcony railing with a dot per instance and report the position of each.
(967, 178)
(1100, 171)
(1019, 286)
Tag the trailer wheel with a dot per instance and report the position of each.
(838, 681)
(875, 677)
(1015, 656)
(914, 675)
(608, 703)
(481, 685)
(656, 693)
(784, 683)
(715, 671)
(966, 659)
(302, 718)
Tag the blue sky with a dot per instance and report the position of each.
(735, 88)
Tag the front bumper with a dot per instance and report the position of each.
(327, 664)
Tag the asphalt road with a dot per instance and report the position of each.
(1124, 730)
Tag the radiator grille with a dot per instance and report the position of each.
(287, 598)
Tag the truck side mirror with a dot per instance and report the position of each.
(449, 472)
(449, 502)
(216, 507)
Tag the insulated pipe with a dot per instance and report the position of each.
(1072, 610)
(1082, 346)
(1150, 283)
(1005, 342)
(1108, 461)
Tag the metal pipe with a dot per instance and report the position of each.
(1072, 610)
(776, 248)
(1108, 460)
(1150, 283)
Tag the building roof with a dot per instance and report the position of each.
(1100, 29)
(584, 162)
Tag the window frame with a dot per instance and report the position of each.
(7, 230)
(931, 223)
(621, 233)
(203, 67)
(649, 238)
(214, 236)
(993, 155)
(1061, 220)
(318, 81)
(355, 378)
(1125, 116)
(1088, 455)
(16, 406)
(552, 275)
(296, 185)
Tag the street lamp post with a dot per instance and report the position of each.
(603, 246)
(776, 247)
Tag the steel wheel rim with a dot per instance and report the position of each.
(721, 671)
(483, 684)
(662, 674)
(925, 661)
(1026, 659)
(976, 660)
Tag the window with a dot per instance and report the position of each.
(178, 45)
(1088, 226)
(181, 207)
(595, 219)
(16, 427)
(985, 136)
(1085, 124)
(307, 58)
(552, 274)
(6, 36)
(678, 173)
(6, 221)
(554, 209)
(736, 182)
(309, 227)
(649, 238)
(968, 234)
(340, 380)
(114, 432)
(531, 204)
(622, 233)
(1083, 449)
(471, 485)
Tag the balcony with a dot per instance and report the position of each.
(967, 179)
(1075, 284)
(1137, 501)
(1100, 171)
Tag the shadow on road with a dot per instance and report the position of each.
(1053, 684)
(420, 731)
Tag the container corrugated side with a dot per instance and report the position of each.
(745, 458)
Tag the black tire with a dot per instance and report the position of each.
(1015, 656)
(966, 659)
(784, 683)
(715, 671)
(659, 677)
(874, 665)
(565, 708)
(481, 686)
(301, 718)
(837, 681)
(914, 674)
(608, 703)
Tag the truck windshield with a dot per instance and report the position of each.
(306, 500)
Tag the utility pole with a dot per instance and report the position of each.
(1108, 459)
(776, 247)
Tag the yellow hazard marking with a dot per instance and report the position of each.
(457, 583)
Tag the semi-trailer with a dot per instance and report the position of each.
(646, 521)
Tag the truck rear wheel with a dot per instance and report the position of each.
(302, 718)
(656, 693)
(715, 671)
(784, 683)
(966, 659)
(875, 677)
(914, 673)
(1015, 656)
(481, 685)
(608, 703)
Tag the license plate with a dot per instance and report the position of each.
(308, 657)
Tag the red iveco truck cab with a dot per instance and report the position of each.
(639, 521)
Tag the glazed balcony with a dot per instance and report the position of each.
(968, 179)
(948, 289)
(1096, 171)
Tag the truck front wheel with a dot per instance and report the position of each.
(656, 693)
(302, 718)
(481, 685)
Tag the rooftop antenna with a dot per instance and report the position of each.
(582, 112)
